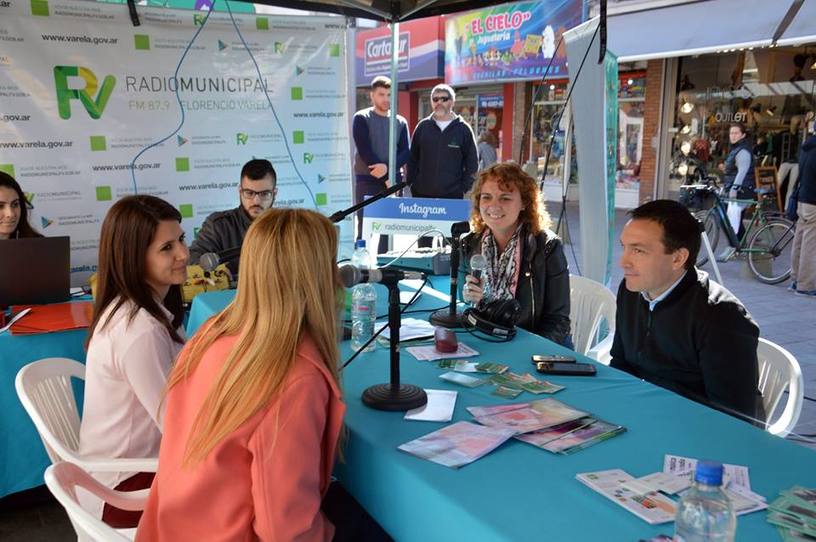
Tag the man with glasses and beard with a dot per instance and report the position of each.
(443, 159)
(226, 229)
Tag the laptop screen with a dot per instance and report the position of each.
(34, 271)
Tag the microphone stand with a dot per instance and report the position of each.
(340, 215)
(449, 317)
(394, 396)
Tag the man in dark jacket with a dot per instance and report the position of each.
(675, 327)
(226, 229)
(443, 158)
(370, 132)
(803, 256)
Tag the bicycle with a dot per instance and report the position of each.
(767, 241)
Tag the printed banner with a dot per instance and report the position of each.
(508, 42)
(83, 91)
(421, 51)
(413, 216)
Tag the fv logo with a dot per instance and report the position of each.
(93, 105)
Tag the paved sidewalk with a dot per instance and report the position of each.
(787, 319)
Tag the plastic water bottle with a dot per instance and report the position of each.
(705, 513)
(363, 302)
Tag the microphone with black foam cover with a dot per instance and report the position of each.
(210, 260)
(351, 275)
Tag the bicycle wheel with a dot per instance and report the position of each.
(770, 247)
(709, 220)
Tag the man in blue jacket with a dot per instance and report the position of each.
(370, 131)
(443, 159)
(803, 256)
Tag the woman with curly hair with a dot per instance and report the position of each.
(525, 259)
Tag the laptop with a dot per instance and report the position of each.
(34, 271)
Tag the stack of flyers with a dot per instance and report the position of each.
(583, 437)
(462, 380)
(526, 417)
(526, 382)
(458, 444)
(463, 366)
(545, 436)
(505, 392)
(794, 513)
(491, 368)
(459, 365)
(430, 353)
(652, 507)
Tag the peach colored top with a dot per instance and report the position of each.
(265, 481)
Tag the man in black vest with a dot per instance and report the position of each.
(738, 178)
(675, 327)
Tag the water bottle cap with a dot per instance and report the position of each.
(709, 472)
(360, 243)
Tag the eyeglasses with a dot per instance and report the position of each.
(440, 99)
(263, 195)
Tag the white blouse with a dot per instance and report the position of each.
(126, 371)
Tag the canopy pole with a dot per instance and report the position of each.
(392, 115)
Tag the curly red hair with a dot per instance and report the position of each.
(511, 177)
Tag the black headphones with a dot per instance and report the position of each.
(496, 319)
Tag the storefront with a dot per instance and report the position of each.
(550, 119)
(770, 90)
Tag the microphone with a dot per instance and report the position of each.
(210, 260)
(478, 268)
(351, 275)
(478, 265)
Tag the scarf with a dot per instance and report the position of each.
(502, 269)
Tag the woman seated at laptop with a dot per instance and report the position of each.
(13, 210)
(254, 408)
(525, 260)
(133, 339)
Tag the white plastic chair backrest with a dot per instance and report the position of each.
(45, 390)
(590, 304)
(779, 370)
(62, 479)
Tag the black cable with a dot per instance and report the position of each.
(377, 334)
(806, 398)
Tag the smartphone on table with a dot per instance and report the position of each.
(570, 369)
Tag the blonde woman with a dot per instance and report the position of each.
(254, 409)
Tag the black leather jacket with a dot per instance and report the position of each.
(543, 289)
(221, 231)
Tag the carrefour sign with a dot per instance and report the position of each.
(378, 54)
(421, 52)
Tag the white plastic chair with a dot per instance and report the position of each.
(779, 370)
(63, 478)
(590, 304)
(44, 389)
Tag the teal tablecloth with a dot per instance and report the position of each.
(22, 455)
(518, 492)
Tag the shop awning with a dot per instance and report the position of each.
(707, 26)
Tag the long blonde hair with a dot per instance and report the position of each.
(287, 286)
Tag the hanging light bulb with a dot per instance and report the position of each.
(685, 129)
(685, 147)
(687, 108)
(682, 169)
